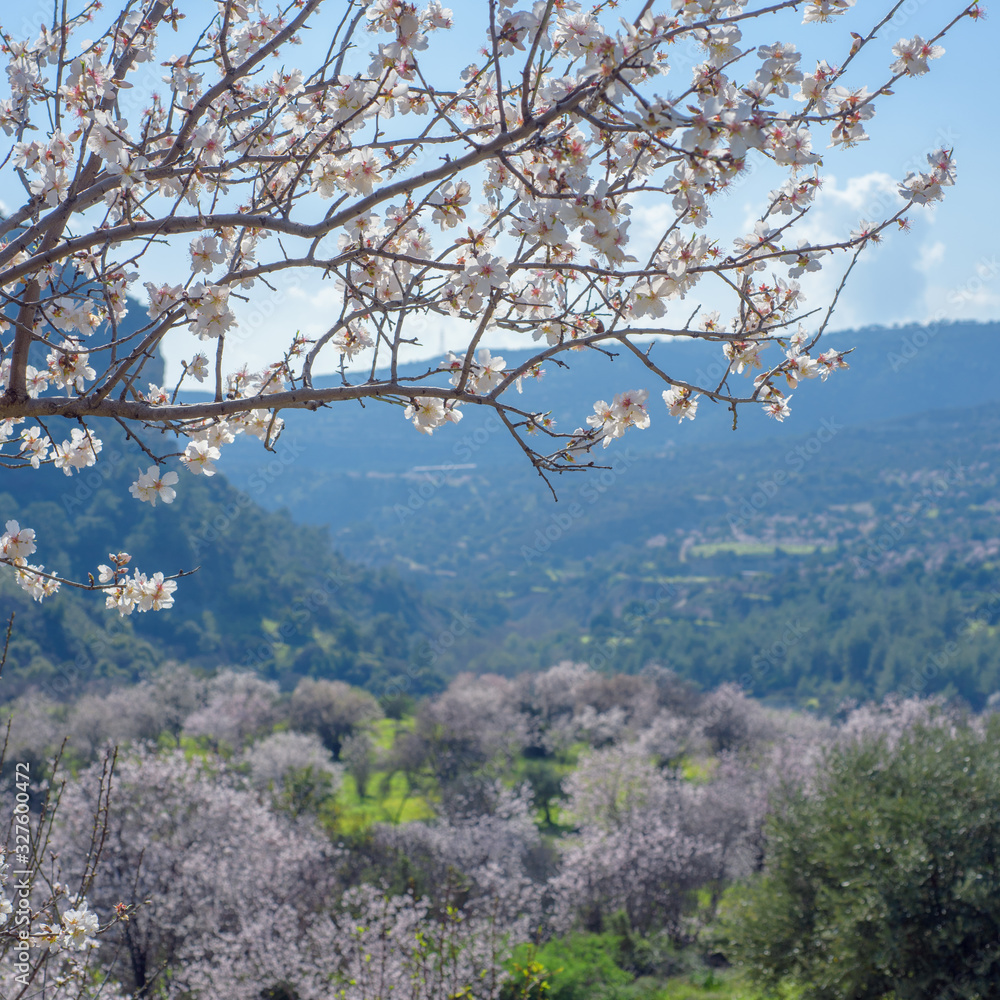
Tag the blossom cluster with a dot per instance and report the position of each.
(211, 870)
(75, 931)
(505, 205)
(123, 593)
(627, 409)
(16, 544)
(137, 592)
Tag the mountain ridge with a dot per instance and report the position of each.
(903, 375)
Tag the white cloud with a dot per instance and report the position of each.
(930, 257)
(965, 292)
(837, 210)
(881, 288)
(869, 194)
(885, 287)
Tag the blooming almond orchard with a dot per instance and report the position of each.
(497, 202)
(215, 870)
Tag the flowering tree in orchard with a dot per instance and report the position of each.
(500, 202)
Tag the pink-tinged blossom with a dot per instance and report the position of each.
(628, 409)
(488, 272)
(360, 172)
(157, 395)
(198, 458)
(198, 367)
(865, 232)
(136, 592)
(29, 578)
(449, 201)
(779, 69)
(209, 142)
(35, 445)
(69, 366)
(79, 926)
(218, 433)
(67, 313)
(743, 355)
(157, 593)
(631, 408)
(831, 361)
(206, 254)
(800, 366)
(352, 340)
(913, 55)
(778, 408)
(485, 371)
(208, 307)
(17, 542)
(79, 452)
(815, 86)
(428, 413)
(162, 298)
(680, 402)
(923, 188)
(824, 10)
(151, 486)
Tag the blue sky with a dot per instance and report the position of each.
(948, 266)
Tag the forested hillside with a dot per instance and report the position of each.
(852, 564)
(341, 465)
(855, 563)
(267, 595)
